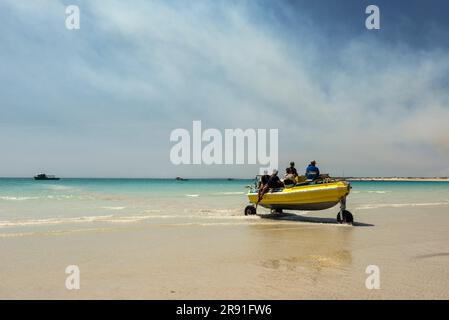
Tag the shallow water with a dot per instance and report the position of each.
(170, 239)
(29, 207)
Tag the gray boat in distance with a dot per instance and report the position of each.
(43, 176)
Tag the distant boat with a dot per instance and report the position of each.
(181, 179)
(43, 176)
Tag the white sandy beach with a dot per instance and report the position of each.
(298, 258)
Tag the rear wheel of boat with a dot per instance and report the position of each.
(347, 217)
(250, 210)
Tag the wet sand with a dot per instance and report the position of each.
(291, 257)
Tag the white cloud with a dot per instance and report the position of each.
(374, 109)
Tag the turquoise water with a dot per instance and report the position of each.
(153, 188)
(68, 204)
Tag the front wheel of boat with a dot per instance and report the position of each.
(250, 210)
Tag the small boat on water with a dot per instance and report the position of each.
(181, 179)
(318, 195)
(43, 176)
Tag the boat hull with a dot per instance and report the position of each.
(309, 197)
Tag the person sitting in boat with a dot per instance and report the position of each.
(263, 184)
(293, 169)
(312, 171)
(273, 183)
(265, 177)
(289, 178)
(263, 180)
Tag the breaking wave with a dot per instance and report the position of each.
(229, 193)
(10, 198)
(47, 197)
(149, 215)
(401, 205)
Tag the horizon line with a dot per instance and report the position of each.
(233, 178)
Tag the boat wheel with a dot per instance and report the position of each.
(347, 217)
(339, 218)
(250, 210)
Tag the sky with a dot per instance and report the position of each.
(102, 101)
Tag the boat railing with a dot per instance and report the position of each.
(325, 178)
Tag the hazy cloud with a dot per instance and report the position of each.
(102, 101)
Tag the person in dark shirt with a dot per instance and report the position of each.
(312, 171)
(293, 169)
(264, 179)
(263, 185)
(272, 183)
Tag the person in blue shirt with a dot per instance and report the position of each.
(312, 171)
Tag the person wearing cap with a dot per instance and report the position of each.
(274, 181)
(312, 171)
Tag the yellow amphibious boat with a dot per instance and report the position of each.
(318, 195)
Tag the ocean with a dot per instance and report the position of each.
(29, 207)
